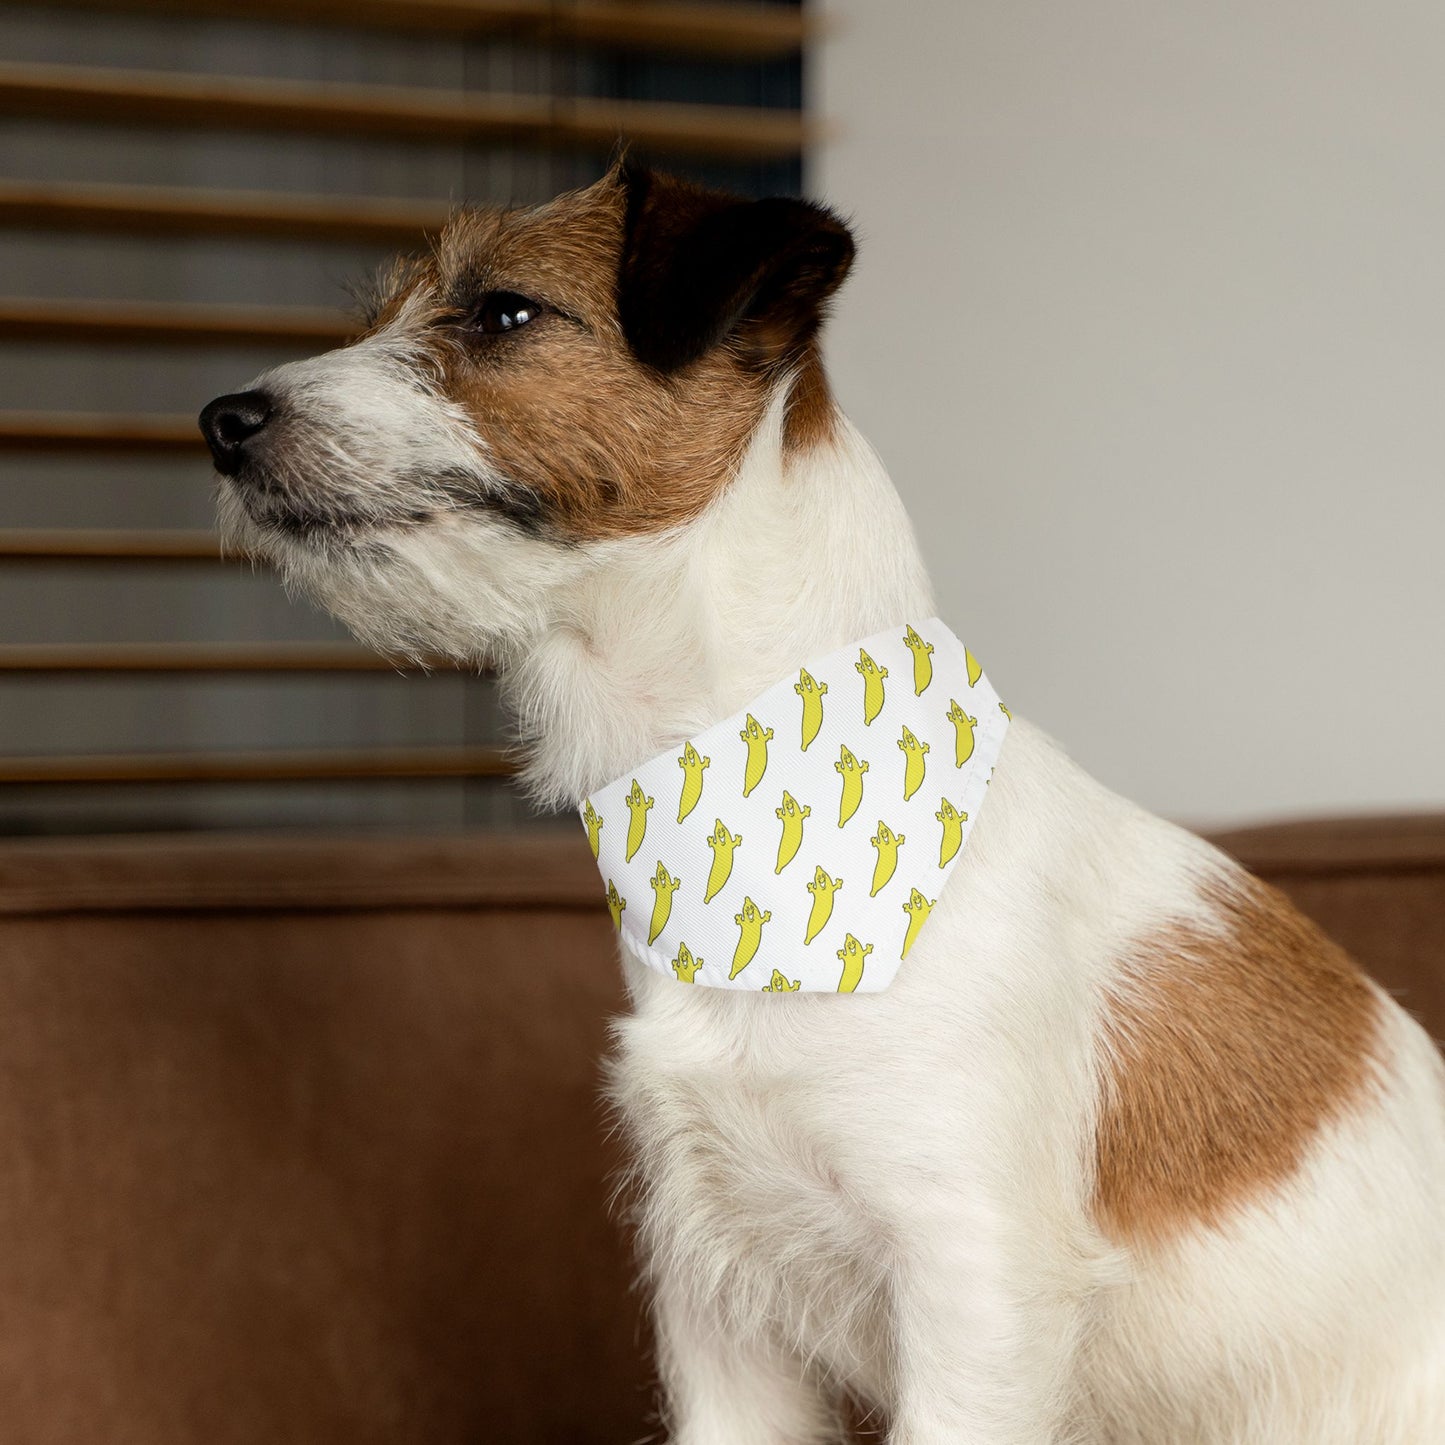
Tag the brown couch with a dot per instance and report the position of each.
(302, 1140)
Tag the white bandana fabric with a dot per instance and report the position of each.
(799, 845)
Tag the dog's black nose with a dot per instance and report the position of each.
(229, 422)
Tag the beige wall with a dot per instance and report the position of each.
(1149, 324)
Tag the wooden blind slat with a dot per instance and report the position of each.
(755, 32)
(172, 211)
(82, 544)
(77, 431)
(217, 102)
(171, 323)
(172, 657)
(329, 765)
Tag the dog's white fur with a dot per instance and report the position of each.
(891, 1195)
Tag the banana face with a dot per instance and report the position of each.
(873, 676)
(692, 770)
(779, 984)
(685, 966)
(637, 805)
(917, 908)
(953, 821)
(593, 821)
(615, 904)
(791, 816)
(822, 888)
(757, 738)
(851, 771)
(750, 935)
(963, 733)
(914, 765)
(922, 661)
(852, 956)
(812, 694)
(664, 885)
(722, 844)
(887, 842)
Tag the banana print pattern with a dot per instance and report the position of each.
(685, 966)
(851, 771)
(822, 888)
(664, 885)
(638, 805)
(692, 766)
(887, 842)
(953, 820)
(615, 904)
(913, 769)
(922, 661)
(757, 738)
(812, 694)
(766, 897)
(963, 726)
(791, 816)
(917, 908)
(592, 821)
(750, 935)
(722, 844)
(873, 676)
(852, 956)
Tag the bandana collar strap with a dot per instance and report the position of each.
(799, 845)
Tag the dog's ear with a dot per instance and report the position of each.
(700, 266)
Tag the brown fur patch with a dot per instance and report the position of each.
(606, 445)
(812, 416)
(1227, 1052)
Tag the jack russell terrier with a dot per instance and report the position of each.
(1123, 1150)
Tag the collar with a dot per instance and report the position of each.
(799, 845)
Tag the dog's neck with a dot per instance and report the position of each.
(802, 553)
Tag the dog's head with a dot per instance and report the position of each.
(544, 383)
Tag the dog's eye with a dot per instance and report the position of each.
(504, 311)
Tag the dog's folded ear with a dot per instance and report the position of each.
(701, 266)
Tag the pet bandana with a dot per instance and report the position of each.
(799, 845)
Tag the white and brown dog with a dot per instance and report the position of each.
(1128, 1153)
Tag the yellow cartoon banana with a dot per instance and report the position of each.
(664, 885)
(917, 908)
(779, 984)
(822, 888)
(692, 769)
(750, 935)
(974, 670)
(722, 844)
(615, 904)
(757, 737)
(812, 694)
(922, 661)
(792, 817)
(685, 966)
(914, 764)
(852, 955)
(953, 820)
(1005, 712)
(594, 820)
(873, 676)
(887, 842)
(851, 771)
(637, 805)
(963, 733)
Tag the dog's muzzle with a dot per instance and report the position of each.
(230, 423)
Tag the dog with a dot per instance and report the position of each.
(1128, 1152)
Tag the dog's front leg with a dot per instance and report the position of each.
(984, 1341)
(724, 1386)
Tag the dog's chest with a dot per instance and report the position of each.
(751, 1178)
